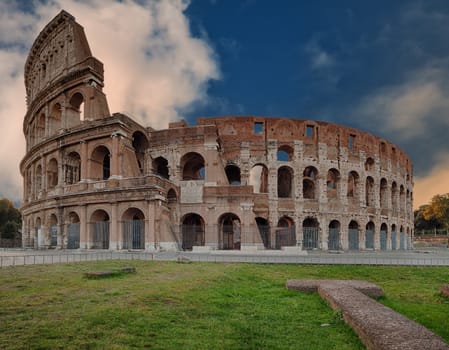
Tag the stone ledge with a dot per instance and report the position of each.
(379, 327)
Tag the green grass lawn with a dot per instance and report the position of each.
(167, 305)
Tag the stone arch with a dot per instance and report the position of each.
(284, 153)
(383, 193)
(401, 198)
(193, 166)
(401, 238)
(334, 235)
(369, 164)
(258, 178)
(72, 168)
(285, 182)
(264, 230)
(353, 235)
(160, 167)
(369, 235)
(310, 175)
(100, 229)
(353, 190)
(369, 192)
(285, 232)
(40, 127)
(52, 173)
(394, 196)
(393, 237)
(333, 183)
(233, 174)
(310, 232)
(76, 111)
(193, 232)
(40, 239)
(133, 229)
(383, 236)
(39, 178)
(140, 144)
(101, 163)
(53, 227)
(230, 231)
(55, 119)
(73, 230)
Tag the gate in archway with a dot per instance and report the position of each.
(369, 239)
(393, 240)
(134, 234)
(334, 238)
(286, 237)
(401, 241)
(100, 235)
(353, 236)
(383, 240)
(54, 235)
(73, 236)
(310, 237)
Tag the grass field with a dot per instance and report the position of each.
(168, 305)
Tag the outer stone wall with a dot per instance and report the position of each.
(95, 180)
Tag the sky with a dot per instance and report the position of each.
(380, 66)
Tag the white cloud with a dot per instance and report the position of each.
(154, 67)
(405, 109)
(319, 58)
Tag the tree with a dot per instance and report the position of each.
(422, 223)
(10, 219)
(438, 209)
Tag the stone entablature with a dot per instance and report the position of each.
(95, 180)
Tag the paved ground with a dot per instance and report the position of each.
(429, 257)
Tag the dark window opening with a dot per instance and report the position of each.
(233, 175)
(258, 128)
(309, 130)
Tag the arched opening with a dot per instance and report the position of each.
(285, 233)
(332, 182)
(233, 174)
(383, 236)
(230, 231)
(192, 231)
(369, 164)
(52, 173)
(54, 119)
(353, 235)
(258, 178)
(41, 127)
(73, 231)
(172, 197)
(100, 229)
(40, 239)
(393, 237)
(39, 178)
(369, 192)
(264, 231)
(394, 196)
(401, 238)
(133, 228)
(101, 163)
(383, 194)
(73, 168)
(53, 230)
(285, 181)
(353, 185)
(192, 165)
(140, 144)
(401, 198)
(369, 235)
(310, 232)
(76, 112)
(160, 166)
(284, 153)
(308, 183)
(334, 235)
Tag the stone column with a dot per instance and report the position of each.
(115, 172)
(85, 242)
(85, 171)
(114, 230)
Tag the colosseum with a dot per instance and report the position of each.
(96, 180)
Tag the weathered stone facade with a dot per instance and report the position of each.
(96, 180)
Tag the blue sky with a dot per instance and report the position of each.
(380, 66)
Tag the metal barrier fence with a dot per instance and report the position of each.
(408, 259)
